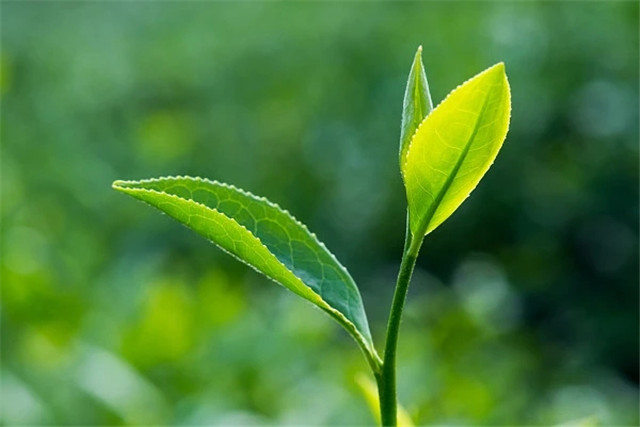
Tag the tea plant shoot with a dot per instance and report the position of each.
(444, 153)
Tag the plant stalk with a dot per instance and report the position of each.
(387, 377)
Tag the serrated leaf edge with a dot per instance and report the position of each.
(508, 87)
(417, 78)
(251, 195)
(406, 159)
(367, 347)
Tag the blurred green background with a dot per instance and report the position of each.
(524, 306)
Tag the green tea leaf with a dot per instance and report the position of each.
(267, 238)
(454, 147)
(417, 104)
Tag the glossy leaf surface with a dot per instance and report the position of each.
(264, 236)
(454, 147)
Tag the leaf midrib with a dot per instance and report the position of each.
(416, 99)
(365, 342)
(422, 228)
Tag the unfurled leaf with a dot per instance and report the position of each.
(267, 238)
(454, 147)
(417, 104)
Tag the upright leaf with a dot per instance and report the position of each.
(417, 103)
(265, 237)
(454, 147)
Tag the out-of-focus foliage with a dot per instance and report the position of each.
(524, 306)
(369, 390)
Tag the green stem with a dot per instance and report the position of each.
(387, 377)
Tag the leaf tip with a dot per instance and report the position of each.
(121, 185)
(494, 73)
(417, 60)
(497, 68)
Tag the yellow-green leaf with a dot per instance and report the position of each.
(417, 103)
(454, 147)
(267, 238)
